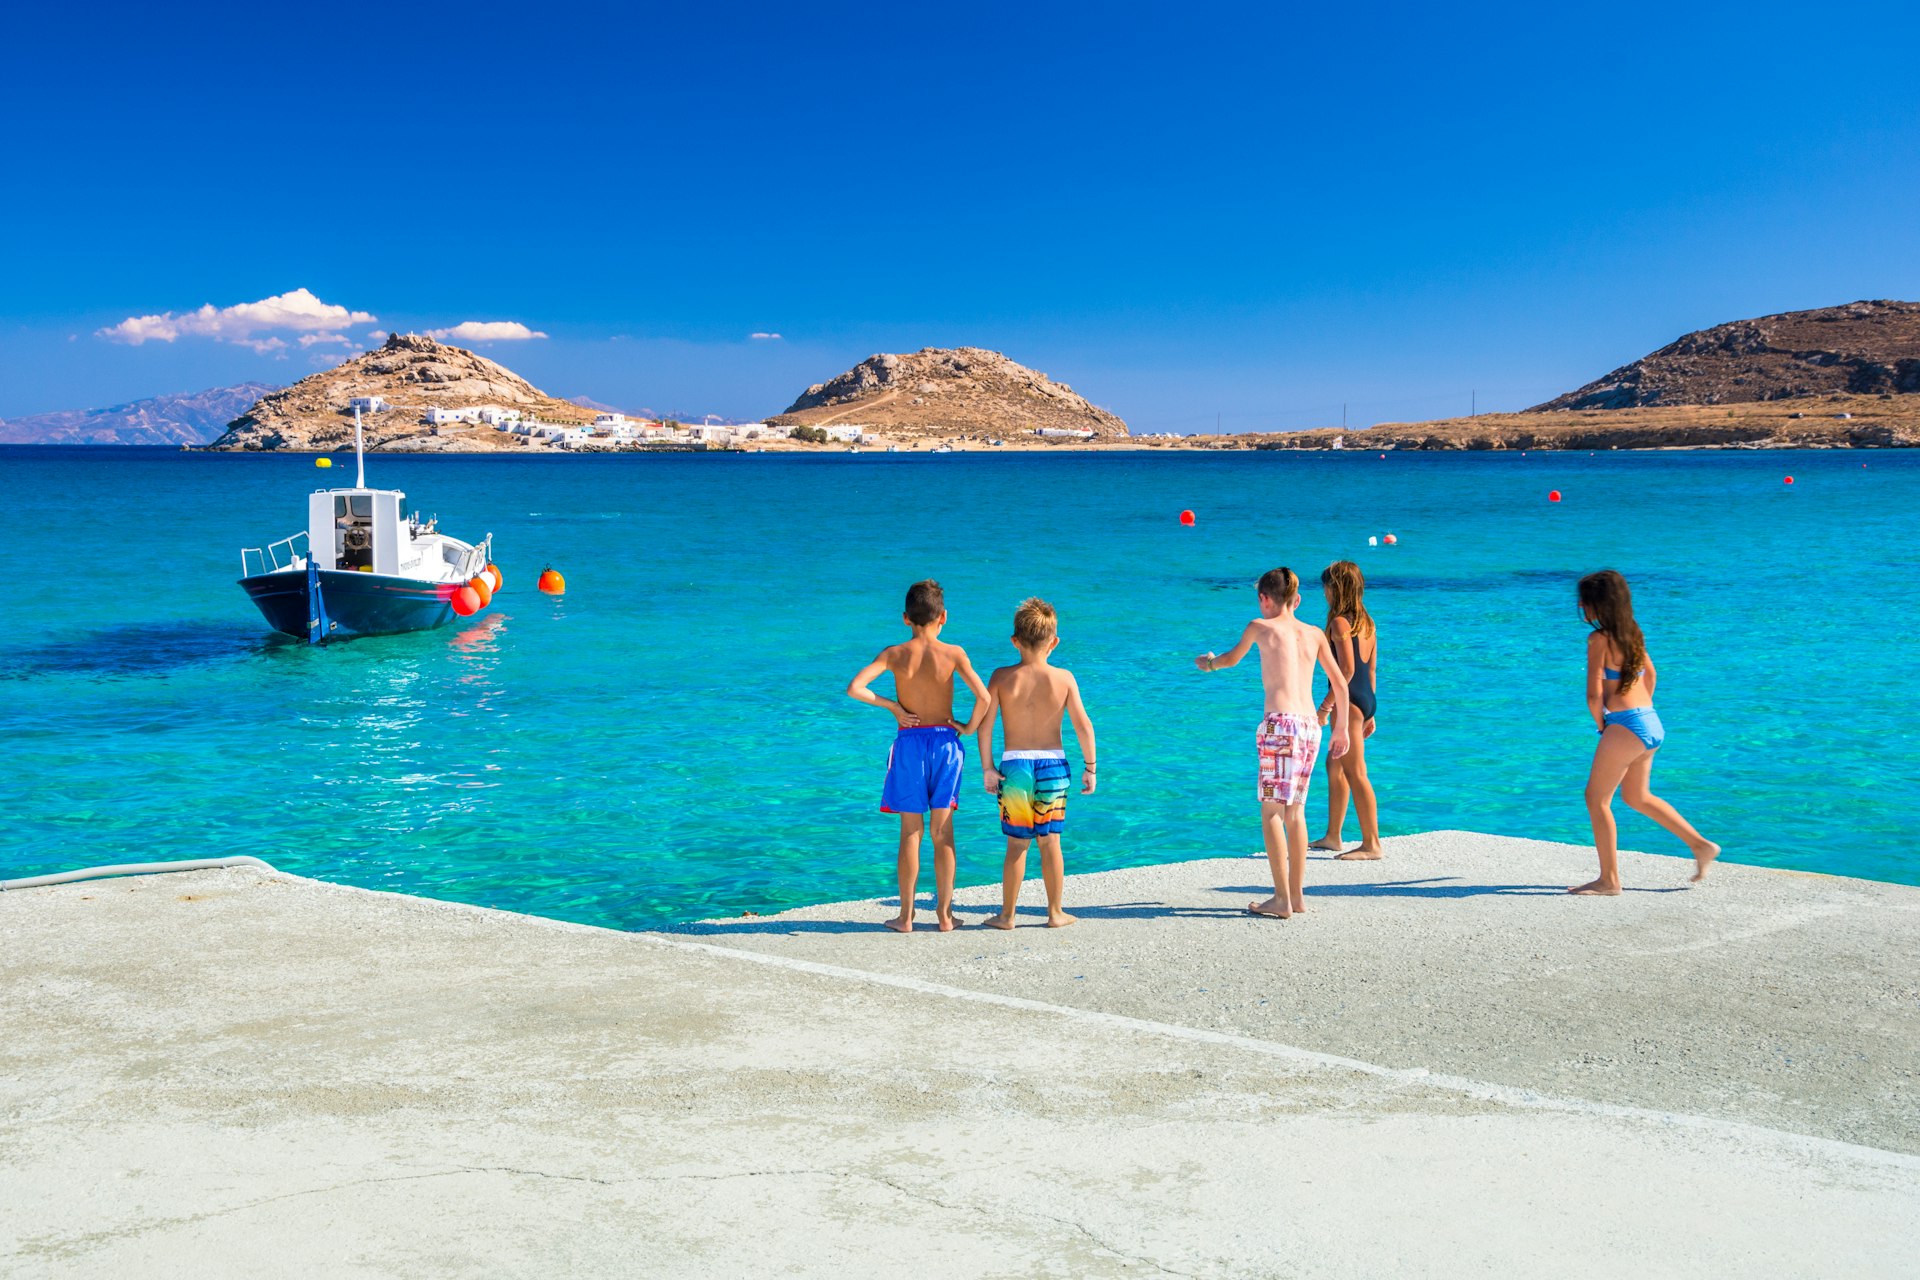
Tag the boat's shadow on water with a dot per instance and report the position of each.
(144, 649)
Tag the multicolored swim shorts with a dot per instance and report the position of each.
(1288, 745)
(1033, 793)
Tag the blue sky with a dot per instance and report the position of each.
(1249, 214)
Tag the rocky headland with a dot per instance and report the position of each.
(965, 393)
(412, 373)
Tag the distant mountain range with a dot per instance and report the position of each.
(195, 418)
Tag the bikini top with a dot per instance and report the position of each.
(1613, 674)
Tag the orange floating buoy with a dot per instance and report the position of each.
(466, 602)
(1389, 539)
(1554, 496)
(552, 583)
(498, 581)
(1186, 517)
(1789, 479)
(483, 588)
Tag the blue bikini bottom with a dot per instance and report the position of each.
(1643, 723)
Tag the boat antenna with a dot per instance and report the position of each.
(359, 453)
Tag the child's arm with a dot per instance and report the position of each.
(1596, 682)
(858, 691)
(964, 669)
(1341, 636)
(1648, 675)
(1340, 708)
(1209, 661)
(985, 739)
(1373, 721)
(1083, 730)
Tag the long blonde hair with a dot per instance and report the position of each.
(1346, 590)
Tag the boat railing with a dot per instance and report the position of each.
(274, 557)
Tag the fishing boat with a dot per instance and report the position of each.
(365, 565)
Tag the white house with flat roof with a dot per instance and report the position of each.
(369, 404)
(609, 419)
(494, 416)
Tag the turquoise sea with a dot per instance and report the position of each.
(670, 740)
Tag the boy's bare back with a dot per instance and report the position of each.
(1289, 649)
(1032, 697)
(923, 669)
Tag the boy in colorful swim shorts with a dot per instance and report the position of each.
(925, 766)
(1288, 738)
(1033, 776)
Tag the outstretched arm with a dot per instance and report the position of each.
(1083, 730)
(858, 691)
(980, 696)
(987, 714)
(1331, 666)
(1209, 661)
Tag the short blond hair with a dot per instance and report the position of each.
(1034, 622)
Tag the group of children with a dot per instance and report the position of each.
(925, 770)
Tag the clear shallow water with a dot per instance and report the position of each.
(670, 740)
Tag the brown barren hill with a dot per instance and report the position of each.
(968, 391)
(412, 373)
(1860, 349)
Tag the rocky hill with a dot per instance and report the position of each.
(949, 394)
(1863, 348)
(413, 374)
(179, 419)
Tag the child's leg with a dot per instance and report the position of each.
(1618, 749)
(1353, 770)
(910, 824)
(1053, 869)
(1012, 875)
(1336, 803)
(944, 863)
(1296, 825)
(1636, 790)
(1273, 831)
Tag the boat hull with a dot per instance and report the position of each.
(356, 604)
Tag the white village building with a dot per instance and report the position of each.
(369, 404)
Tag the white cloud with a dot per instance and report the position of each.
(487, 331)
(770, 337)
(265, 346)
(378, 335)
(297, 311)
(315, 339)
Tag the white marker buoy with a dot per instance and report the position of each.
(1373, 542)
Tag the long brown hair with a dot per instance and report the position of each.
(1607, 603)
(1345, 589)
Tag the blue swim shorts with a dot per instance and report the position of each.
(1643, 723)
(924, 770)
(1033, 793)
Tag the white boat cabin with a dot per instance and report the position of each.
(371, 531)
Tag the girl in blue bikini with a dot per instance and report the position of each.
(1620, 680)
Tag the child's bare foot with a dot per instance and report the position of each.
(1272, 908)
(1328, 846)
(946, 921)
(1597, 889)
(1362, 854)
(1703, 855)
(998, 922)
(901, 924)
(1059, 919)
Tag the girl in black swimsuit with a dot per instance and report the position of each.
(1357, 648)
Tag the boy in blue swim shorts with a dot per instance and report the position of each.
(1033, 776)
(925, 766)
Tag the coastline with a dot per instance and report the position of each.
(264, 1063)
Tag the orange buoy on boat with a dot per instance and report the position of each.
(482, 587)
(466, 602)
(552, 583)
(498, 581)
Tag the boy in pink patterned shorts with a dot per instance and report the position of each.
(1289, 735)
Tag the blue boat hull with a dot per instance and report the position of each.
(355, 604)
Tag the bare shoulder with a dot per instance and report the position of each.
(1001, 677)
(1310, 633)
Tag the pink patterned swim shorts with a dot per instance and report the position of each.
(1289, 744)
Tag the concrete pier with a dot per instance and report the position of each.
(1445, 1068)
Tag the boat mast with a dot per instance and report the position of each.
(359, 453)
